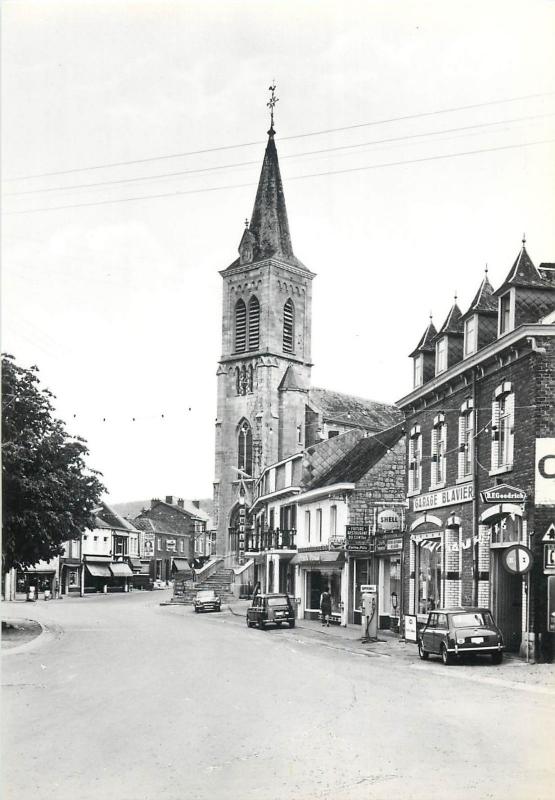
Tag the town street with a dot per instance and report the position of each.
(123, 698)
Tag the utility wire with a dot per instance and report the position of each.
(293, 178)
(291, 155)
(286, 138)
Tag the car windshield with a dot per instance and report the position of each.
(277, 601)
(206, 595)
(477, 619)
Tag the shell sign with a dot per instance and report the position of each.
(389, 520)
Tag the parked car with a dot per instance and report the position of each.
(207, 600)
(454, 632)
(271, 608)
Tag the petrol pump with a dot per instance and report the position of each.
(370, 616)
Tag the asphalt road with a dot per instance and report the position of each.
(124, 699)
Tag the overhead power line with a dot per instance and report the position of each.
(322, 151)
(220, 148)
(180, 192)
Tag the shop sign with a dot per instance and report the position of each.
(148, 545)
(444, 497)
(337, 542)
(503, 494)
(517, 559)
(389, 520)
(357, 538)
(384, 543)
(545, 472)
(410, 628)
(549, 558)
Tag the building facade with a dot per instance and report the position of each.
(479, 421)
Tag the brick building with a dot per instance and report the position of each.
(266, 408)
(479, 421)
(333, 517)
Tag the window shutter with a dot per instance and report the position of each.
(511, 411)
(461, 459)
(434, 465)
(254, 323)
(288, 326)
(240, 326)
(495, 434)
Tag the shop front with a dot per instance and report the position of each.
(70, 576)
(38, 579)
(319, 570)
(121, 575)
(388, 557)
(96, 575)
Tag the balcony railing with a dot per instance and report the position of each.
(277, 539)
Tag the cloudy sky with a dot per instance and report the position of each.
(417, 144)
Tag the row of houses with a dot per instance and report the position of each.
(128, 547)
(452, 505)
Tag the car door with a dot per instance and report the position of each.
(251, 612)
(440, 632)
(428, 633)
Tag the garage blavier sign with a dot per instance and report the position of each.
(444, 497)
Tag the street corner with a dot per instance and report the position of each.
(19, 632)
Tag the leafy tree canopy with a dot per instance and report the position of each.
(49, 494)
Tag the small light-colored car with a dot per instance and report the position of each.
(454, 632)
(207, 600)
(271, 609)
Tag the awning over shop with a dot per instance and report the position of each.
(121, 570)
(99, 570)
(319, 557)
(135, 564)
(181, 565)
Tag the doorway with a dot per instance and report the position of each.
(506, 602)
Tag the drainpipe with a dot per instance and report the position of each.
(475, 507)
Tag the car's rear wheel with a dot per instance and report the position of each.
(261, 624)
(291, 623)
(422, 653)
(497, 658)
(446, 656)
(278, 624)
(249, 623)
(196, 610)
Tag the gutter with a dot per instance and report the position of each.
(322, 491)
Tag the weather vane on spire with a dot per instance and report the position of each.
(272, 104)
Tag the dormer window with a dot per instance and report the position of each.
(418, 371)
(470, 335)
(441, 355)
(506, 313)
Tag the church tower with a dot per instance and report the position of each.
(264, 370)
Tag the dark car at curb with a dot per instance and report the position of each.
(207, 600)
(274, 609)
(454, 632)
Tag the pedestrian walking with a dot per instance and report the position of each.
(325, 606)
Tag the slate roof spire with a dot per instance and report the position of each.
(483, 302)
(425, 345)
(523, 272)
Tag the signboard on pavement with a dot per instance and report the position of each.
(410, 628)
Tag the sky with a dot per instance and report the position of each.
(416, 144)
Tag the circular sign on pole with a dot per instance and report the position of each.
(517, 559)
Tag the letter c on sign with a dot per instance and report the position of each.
(543, 469)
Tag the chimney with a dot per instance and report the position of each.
(154, 501)
(196, 503)
(181, 503)
(169, 499)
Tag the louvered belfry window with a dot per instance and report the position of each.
(244, 449)
(240, 326)
(254, 323)
(288, 326)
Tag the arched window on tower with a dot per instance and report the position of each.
(244, 447)
(240, 326)
(288, 326)
(254, 323)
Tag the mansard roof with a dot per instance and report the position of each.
(425, 345)
(269, 225)
(484, 301)
(523, 273)
(453, 323)
(348, 410)
(365, 454)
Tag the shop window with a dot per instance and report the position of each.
(316, 582)
(362, 573)
(429, 559)
(502, 428)
(439, 451)
(72, 578)
(466, 440)
(415, 460)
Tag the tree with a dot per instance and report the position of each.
(48, 492)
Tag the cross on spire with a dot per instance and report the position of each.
(271, 105)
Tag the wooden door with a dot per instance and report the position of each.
(507, 603)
